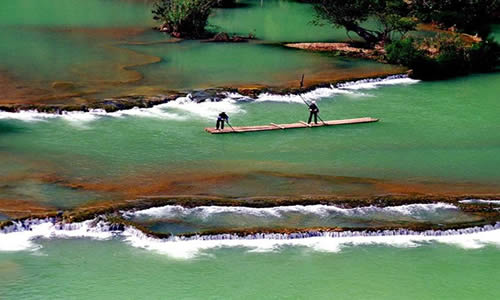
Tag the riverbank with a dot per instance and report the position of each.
(343, 49)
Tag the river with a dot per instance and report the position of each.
(433, 138)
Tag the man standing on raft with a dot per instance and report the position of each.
(313, 111)
(221, 119)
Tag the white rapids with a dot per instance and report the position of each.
(24, 236)
(183, 108)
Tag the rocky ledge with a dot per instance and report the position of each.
(216, 94)
(109, 105)
(346, 49)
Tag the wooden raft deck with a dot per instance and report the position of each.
(301, 124)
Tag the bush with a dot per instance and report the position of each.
(405, 52)
(402, 52)
(183, 18)
(472, 16)
(484, 56)
(443, 57)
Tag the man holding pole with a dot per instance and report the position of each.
(223, 117)
(313, 111)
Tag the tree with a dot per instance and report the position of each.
(443, 56)
(392, 16)
(472, 16)
(183, 18)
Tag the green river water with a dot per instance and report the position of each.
(103, 270)
(432, 137)
(443, 135)
(98, 50)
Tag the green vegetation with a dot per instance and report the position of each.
(183, 18)
(393, 16)
(400, 16)
(443, 56)
(472, 16)
(186, 18)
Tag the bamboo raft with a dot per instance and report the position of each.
(300, 124)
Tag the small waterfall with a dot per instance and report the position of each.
(96, 225)
(175, 211)
(324, 241)
(480, 201)
(371, 83)
(26, 225)
(21, 235)
(206, 109)
(99, 225)
(341, 234)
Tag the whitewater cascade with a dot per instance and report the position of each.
(177, 109)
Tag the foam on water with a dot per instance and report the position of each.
(315, 94)
(278, 211)
(350, 88)
(367, 84)
(186, 248)
(158, 112)
(209, 109)
(480, 201)
(78, 117)
(22, 235)
(27, 116)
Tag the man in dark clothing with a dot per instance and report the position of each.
(221, 119)
(313, 111)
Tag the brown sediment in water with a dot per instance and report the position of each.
(156, 184)
(13, 90)
(485, 214)
(15, 208)
(328, 188)
(90, 91)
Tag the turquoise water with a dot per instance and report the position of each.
(106, 269)
(433, 137)
(281, 21)
(440, 134)
(98, 52)
(91, 13)
(194, 65)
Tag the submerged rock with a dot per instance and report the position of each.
(224, 37)
(209, 94)
(63, 86)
